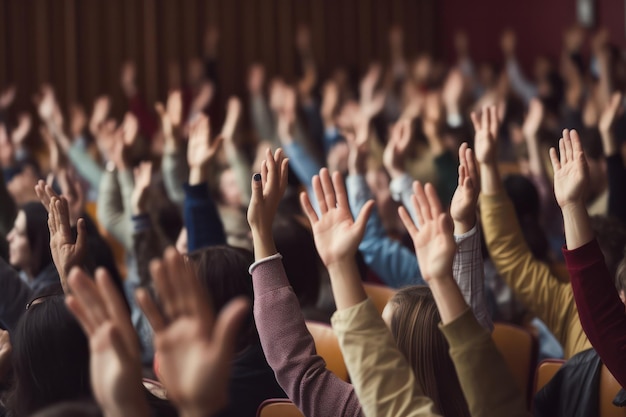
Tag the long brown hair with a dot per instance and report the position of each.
(414, 325)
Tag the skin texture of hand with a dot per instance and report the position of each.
(201, 150)
(6, 350)
(46, 103)
(399, 140)
(337, 236)
(435, 249)
(195, 349)
(24, 124)
(571, 180)
(607, 120)
(453, 91)
(141, 192)
(330, 99)
(66, 253)
(130, 128)
(465, 198)
(115, 366)
(268, 188)
(171, 115)
(533, 119)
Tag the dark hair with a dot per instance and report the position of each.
(525, 199)
(620, 275)
(611, 235)
(223, 271)
(50, 358)
(71, 409)
(302, 263)
(38, 235)
(415, 327)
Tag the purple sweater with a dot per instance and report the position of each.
(290, 350)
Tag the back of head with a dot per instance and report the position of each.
(50, 359)
(70, 409)
(525, 198)
(223, 271)
(302, 263)
(415, 326)
(38, 235)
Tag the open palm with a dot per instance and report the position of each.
(434, 243)
(202, 148)
(337, 235)
(485, 141)
(571, 174)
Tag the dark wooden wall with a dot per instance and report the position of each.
(79, 45)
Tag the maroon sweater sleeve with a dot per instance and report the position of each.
(599, 306)
(147, 122)
(290, 350)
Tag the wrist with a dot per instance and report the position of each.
(263, 243)
(197, 175)
(463, 226)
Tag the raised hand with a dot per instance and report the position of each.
(465, 198)
(24, 125)
(66, 253)
(201, 149)
(7, 97)
(195, 350)
(395, 151)
(330, 99)
(46, 103)
(130, 129)
(7, 149)
(337, 235)
(268, 188)
(171, 114)
(114, 357)
(607, 121)
(141, 192)
(358, 145)
(233, 112)
(533, 119)
(434, 243)
(101, 108)
(571, 173)
(486, 139)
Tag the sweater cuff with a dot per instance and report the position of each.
(463, 329)
(584, 256)
(269, 276)
(262, 261)
(471, 232)
(355, 318)
(197, 191)
(141, 223)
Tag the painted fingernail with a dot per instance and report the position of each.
(257, 177)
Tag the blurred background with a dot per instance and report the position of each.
(79, 46)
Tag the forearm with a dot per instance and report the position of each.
(469, 274)
(475, 355)
(110, 210)
(346, 284)
(290, 349)
(490, 179)
(204, 226)
(577, 225)
(89, 169)
(386, 386)
(175, 173)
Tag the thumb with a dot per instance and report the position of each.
(257, 186)
(81, 238)
(364, 215)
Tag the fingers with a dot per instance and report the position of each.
(308, 208)
(471, 165)
(91, 311)
(63, 218)
(475, 121)
(319, 194)
(567, 141)
(284, 175)
(52, 213)
(271, 170)
(485, 119)
(163, 288)
(227, 328)
(444, 224)
(340, 191)
(40, 190)
(117, 309)
(556, 165)
(81, 237)
(423, 205)
(364, 215)
(576, 145)
(493, 121)
(433, 200)
(257, 188)
(149, 308)
(329, 191)
(407, 221)
(563, 157)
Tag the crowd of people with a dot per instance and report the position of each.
(167, 264)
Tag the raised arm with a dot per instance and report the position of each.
(288, 346)
(600, 308)
(471, 347)
(382, 378)
(204, 226)
(615, 164)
